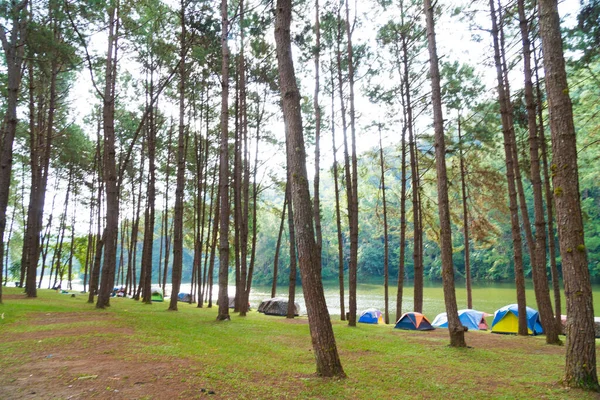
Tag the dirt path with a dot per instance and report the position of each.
(90, 362)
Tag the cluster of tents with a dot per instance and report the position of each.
(506, 320)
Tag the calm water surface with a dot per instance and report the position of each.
(487, 297)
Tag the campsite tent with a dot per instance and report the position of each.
(506, 320)
(231, 302)
(472, 319)
(414, 321)
(277, 306)
(186, 297)
(371, 316)
(157, 294)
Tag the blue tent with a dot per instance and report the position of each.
(506, 320)
(185, 297)
(414, 321)
(371, 316)
(472, 319)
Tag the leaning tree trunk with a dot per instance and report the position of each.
(580, 365)
(539, 270)
(455, 328)
(510, 177)
(323, 340)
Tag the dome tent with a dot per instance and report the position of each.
(472, 319)
(506, 320)
(277, 306)
(414, 321)
(371, 316)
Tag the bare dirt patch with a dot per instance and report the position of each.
(102, 369)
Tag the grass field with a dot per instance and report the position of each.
(59, 347)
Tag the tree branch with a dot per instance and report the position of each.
(87, 54)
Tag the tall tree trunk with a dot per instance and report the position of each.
(338, 218)
(237, 194)
(347, 171)
(510, 177)
(245, 303)
(40, 168)
(539, 272)
(213, 246)
(61, 236)
(181, 148)
(147, 258)
(167, 231)
(72, 248)
(455, 328)
(110, 164)
(556, 288)
(385, 235)
(46, 237)
(224, 172)
(353, 266)
(135, 230)
(95, 269)
(323, 340)
(317, 108)
(13, 49)
(293, 267)
(401, 261)
(278, 246)
(465, 210)
(415, 180)
(580, 365)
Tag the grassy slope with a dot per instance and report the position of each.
(269, 357)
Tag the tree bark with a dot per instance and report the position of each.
(13, 47)
(181, 153)
(455, 328)
(464, 196)
(556, 287)
(385, 235)
(224, 172)
(540, 279)
(507, 125)
(110, 165)
(338, 218)
(353, 265)
(317, 108)
(580, 364)
(291, 310)
(323, 340)
(278, 246)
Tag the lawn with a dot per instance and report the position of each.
(59, 347)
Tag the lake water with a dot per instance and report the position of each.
(487, 297)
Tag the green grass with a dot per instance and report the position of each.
(260, 356)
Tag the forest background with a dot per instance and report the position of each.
(64, 48)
